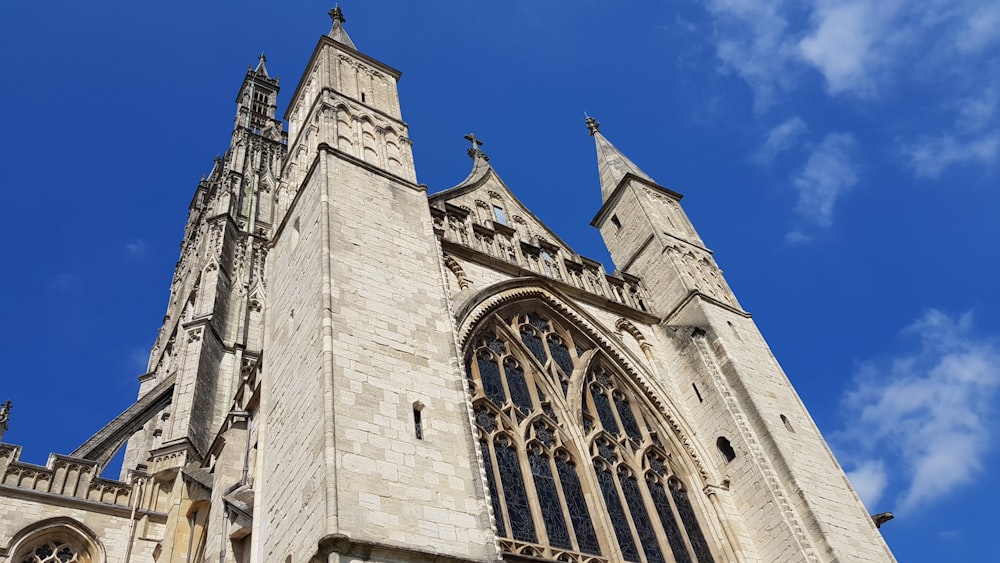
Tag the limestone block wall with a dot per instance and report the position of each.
(293, 460)
(65, 500)
(374, 343)
(785, 486)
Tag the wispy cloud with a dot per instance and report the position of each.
(919, 422)
(752, 40)
(930, 157)
(136, 247)
(935, 51)
(828, 174)
(780, 139)
(852, 42)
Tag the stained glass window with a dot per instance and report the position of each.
(489, 375)
(518, 510)
(577, 504)
(690, 523)
(534, 344)
(536, 470)
(674, 537)
(622, 530)
(548, 499)
(637, 507)
(518, 388)
(628, 420)
(53, 551)
(491, 480)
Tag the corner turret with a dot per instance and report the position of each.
(649, 235)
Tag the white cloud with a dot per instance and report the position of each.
(981, 28)
(752, 40)
(842, 45)
(869, 480)
(976, 112)
(136, 247)
(923, 417)
(930, 157)
(780, 139)
(828, 174)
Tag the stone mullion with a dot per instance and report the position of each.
(541, 532)
(564, 505)
(524, 358)
(654, 514)
(677, 516)
(498, 483)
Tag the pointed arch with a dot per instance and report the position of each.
(56, 540)
(580, 460)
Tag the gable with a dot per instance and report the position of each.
(489, 207)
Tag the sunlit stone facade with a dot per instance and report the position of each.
(351, 369)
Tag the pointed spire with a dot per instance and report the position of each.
(612, 165)
(261, 69)
(337, 32)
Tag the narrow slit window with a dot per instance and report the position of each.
(616, 222)
(418, 423)
(788, 425)
(362, 97)
(697, 393)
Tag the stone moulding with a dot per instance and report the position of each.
(511, 291)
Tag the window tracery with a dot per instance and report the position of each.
(52, 551)
(589, 483)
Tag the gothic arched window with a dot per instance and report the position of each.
(573, 482)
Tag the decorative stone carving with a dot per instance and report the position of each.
(456, 268)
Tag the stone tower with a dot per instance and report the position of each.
(351, 369)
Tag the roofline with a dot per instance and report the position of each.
(620, 189)
(326, 40)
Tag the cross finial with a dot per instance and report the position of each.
(337, 15)
(474, 150)
(592, 125)
(262, 58)
(476, 143)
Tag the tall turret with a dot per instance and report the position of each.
(781, 479)
(359, 345)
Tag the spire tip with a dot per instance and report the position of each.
(592, 125)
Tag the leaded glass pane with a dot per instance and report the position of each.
(669, 523)
(603, 408)
(548, 500)
(489, 375)
(491, 480)
(628, 420)
(691, 526)
(538, 322)
(517, 386)
(534, 344)
(618, 519)
(561, 354)
(576, 503)
(485, 419)
(643, 525)
(522, 527)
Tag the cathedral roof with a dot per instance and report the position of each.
(612, 165)
(337, 32)
(261, 69)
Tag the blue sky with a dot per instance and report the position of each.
(842, 158)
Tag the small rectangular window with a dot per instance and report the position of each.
(616, 222)
(499, 215)
(418, 425)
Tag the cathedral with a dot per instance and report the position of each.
(352, 369)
